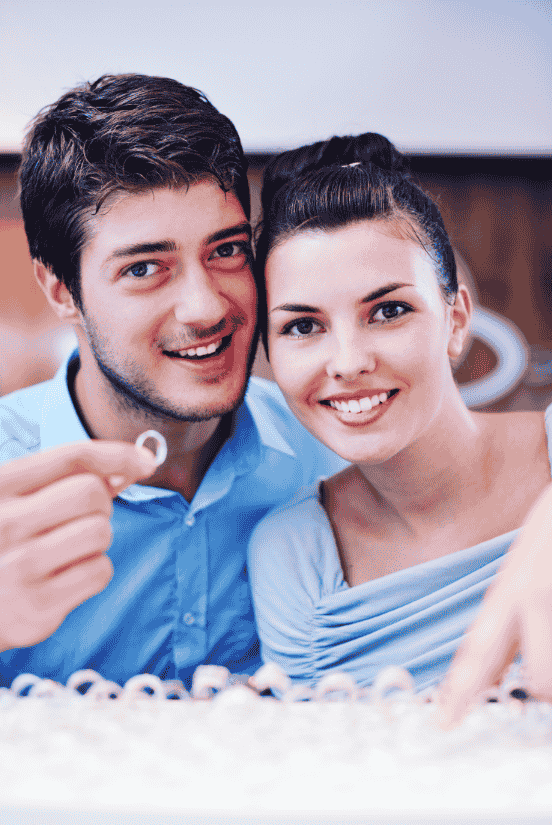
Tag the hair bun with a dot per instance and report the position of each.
(368, 148)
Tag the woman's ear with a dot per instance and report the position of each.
(460, 317)
(57, 294)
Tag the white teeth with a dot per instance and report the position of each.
(199, 351)
(360, 405)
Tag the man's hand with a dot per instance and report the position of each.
(55, 510)
(516, 616)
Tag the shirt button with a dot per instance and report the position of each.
(190, 520)
(188, 619)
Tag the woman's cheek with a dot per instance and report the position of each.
(282, 363)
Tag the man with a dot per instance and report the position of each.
(136, 207)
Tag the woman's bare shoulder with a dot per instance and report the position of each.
(520, 433)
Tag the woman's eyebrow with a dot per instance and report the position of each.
(379, 293)
(295, 308)
(373, 296)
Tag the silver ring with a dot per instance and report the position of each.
(161, 452)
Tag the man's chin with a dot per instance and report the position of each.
(141, 401)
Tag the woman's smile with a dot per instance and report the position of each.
(360, 337)
(360, 408)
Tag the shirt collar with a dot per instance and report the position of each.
(60, 423)
(264, 422)
(252, 428)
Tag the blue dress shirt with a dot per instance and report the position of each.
(180, 594)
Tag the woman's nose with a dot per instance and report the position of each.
(350, 358)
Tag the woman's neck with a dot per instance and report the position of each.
(438, 474)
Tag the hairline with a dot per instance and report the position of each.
(395, 220)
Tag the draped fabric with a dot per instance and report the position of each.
(311, 622)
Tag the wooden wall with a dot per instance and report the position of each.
(498, 212)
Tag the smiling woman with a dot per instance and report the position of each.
(362, 344)
(387, 562)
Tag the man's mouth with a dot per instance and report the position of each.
(360, 404)
(202, 352)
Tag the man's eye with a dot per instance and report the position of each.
(230, 250)
(142, 269)
(389, 312)
(302, 328)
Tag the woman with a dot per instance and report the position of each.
(388, 561)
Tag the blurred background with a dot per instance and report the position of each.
(464, 88)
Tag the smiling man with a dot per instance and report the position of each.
(136, 207)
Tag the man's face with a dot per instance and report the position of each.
(168, 301)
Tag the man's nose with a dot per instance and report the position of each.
(199, 301)
(351, 356)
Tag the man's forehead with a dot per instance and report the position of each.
(161, 219)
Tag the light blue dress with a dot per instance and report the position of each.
(311, 622)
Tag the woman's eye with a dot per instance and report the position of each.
(389, 312)
(302, 328)
(143, 269)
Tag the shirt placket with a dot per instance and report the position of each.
(190, 638)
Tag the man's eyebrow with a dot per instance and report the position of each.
(240, 229)
(373, 296)
(170, 246)
(142, 249)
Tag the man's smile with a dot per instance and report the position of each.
(203, 351)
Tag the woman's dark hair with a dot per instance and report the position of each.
(340, 181)
(126, 132)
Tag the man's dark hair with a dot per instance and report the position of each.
(127, 132)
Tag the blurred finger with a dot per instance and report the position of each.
(65, 592)
(103, 458)
(488, 649)
(536, 648)
(23, 517)
(68, 545)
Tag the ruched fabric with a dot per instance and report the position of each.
(311, 622)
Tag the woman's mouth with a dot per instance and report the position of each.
(361, 404)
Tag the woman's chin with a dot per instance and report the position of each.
(359, 437)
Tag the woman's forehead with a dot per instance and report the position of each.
(362, 256)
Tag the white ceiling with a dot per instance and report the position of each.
(433, 75)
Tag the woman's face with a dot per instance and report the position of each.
(360, 337)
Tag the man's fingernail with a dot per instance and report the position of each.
(116, 482)
(148, 455)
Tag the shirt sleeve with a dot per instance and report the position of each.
(291, 567)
